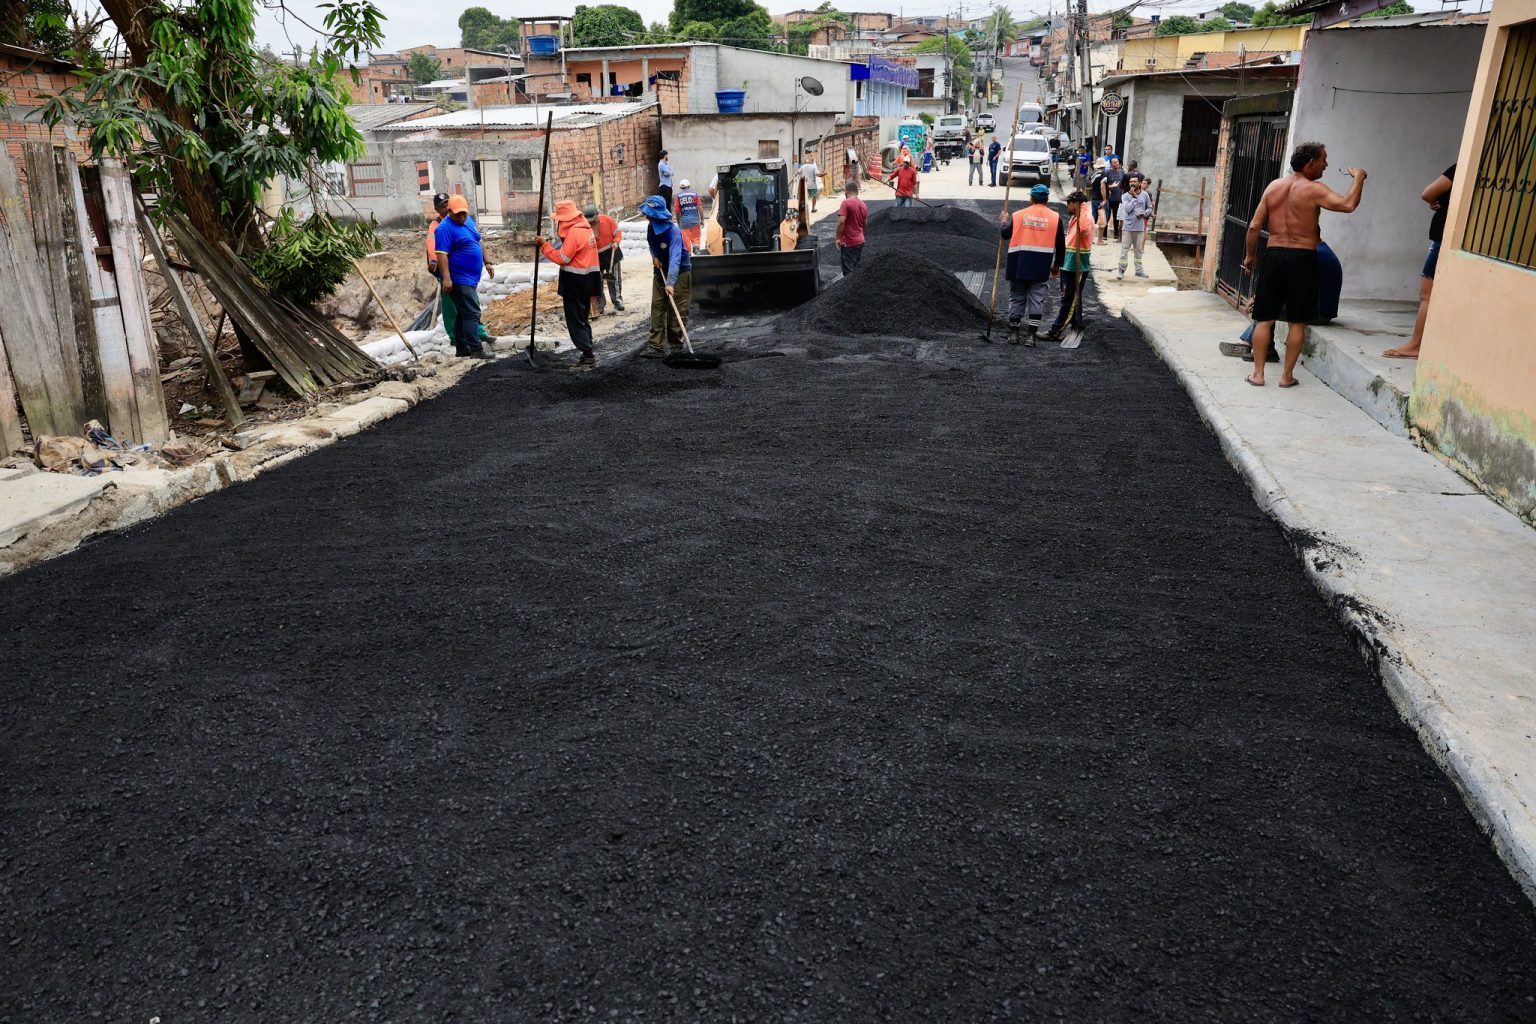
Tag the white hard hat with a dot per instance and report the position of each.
(683, 183)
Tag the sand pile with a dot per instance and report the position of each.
(900, 294)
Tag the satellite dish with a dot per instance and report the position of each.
(811, 86)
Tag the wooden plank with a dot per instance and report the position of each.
(78, 251)
(189, 317)
(31, 340)
(122, 415)
(143, 357)
(10, 417)
(48, 236)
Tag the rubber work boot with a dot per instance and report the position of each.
(652, 352)
(587, 361)
(618, 305)
(1013, 334)
(1140, 272)
(1029, 338)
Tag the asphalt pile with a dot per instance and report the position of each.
(951, 237)
(896, 293)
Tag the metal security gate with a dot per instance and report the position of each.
(1256, 156)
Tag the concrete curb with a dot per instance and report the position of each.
(120, 500)
(1508, 821)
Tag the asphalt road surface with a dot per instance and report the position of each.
(861, 680)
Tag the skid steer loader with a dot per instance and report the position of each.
(757, 267)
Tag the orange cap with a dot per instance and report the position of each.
(458, 204)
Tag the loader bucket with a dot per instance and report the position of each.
(757, 278)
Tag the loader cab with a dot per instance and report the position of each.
(752, 200)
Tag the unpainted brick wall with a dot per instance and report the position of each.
(27, 85)
(575, 156)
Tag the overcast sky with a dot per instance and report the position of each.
(413, 23)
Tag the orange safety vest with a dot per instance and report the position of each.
(577, 255)
(432, 238)
(608, 232)
(1032, 246)
(1079, 239)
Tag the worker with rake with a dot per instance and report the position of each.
(1078, 234)
(1036, 248)
(580, 276)
(671, 279)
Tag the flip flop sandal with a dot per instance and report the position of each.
(1255, 383)
(1292, 384)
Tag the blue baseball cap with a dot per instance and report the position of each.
(1044, 191)
(655, 208)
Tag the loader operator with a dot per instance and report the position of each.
(1036, 248)
(671, 279)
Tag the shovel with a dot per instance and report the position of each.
(687, 359)
(931, 206)
(1073, 336)
(538, 225)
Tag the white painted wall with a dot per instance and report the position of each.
(1155, 107)
(771, 78)
(697, 144)
(1404, 131)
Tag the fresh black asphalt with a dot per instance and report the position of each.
(865, 679)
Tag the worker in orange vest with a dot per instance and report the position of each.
(1079, 233)
(609, 255)
(1036, 247)
(580, 279)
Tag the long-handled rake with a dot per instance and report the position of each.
(533, 312)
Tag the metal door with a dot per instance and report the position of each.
(1254, 159)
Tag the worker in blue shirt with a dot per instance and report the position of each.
(672, 278)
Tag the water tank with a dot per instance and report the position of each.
(543, 46)
(729, 101)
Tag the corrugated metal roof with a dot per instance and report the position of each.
(524, 115)
(369, 116)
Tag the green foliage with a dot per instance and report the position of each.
(1269, 16)
(1400, 7)
(754, 30)
(205, 119)
(716, 12)
(1001, 24)
(927, 118)
(1184, 25)
(1121, 20)
(423, 68)
(305, 261)
(701, 31)
(37, 25)
(1235, 11)
(826, 17)
(606, 25)
(479, 29)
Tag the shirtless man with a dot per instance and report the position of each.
(1287, 284)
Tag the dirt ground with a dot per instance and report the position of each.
(863, 679)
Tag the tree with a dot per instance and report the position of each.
(754, 30)
(716, 12)
(1000, 27)
(826, 17)
(1121, 20)
(479, 29)
(205, 120)
(1269, 16)
(1235, 11)
(1398, 8)
(1216, 24)
(37, 25)
(606, 25)
(423, 68)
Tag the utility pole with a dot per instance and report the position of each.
(1090, 123)
(1071, 74)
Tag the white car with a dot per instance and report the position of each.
(1029, 159)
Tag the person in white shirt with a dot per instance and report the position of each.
(812, 175)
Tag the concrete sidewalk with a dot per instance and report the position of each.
(1432, 577)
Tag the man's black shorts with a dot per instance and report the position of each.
(1287, 288)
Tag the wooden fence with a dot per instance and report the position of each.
(76, 342)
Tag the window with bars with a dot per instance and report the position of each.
(367, 179)
(1501, 222)
(1200, 131)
